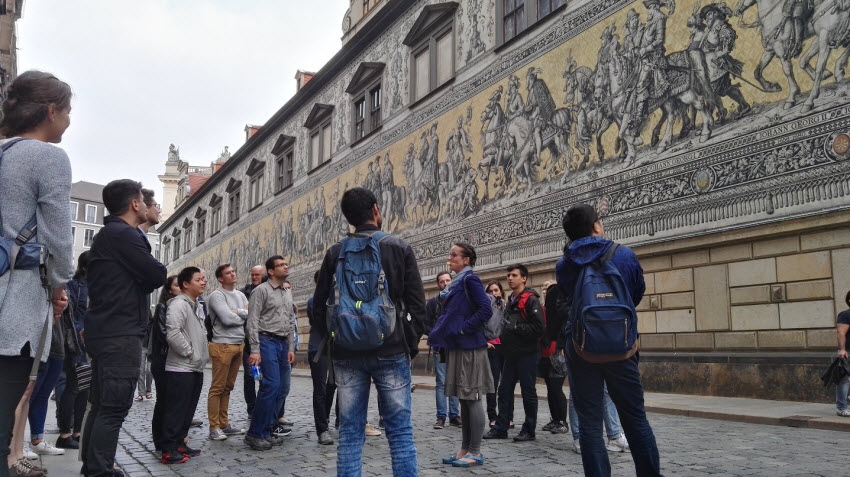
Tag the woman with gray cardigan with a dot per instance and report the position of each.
(35, 177)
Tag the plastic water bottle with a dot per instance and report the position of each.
(256, 372)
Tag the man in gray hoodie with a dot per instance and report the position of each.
(228, 311)
(184, 366)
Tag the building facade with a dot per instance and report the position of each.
(484, 120)
(10, 12)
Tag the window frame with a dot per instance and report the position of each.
(319, 131)
(201, 232)
(365, 95)
(87, 243)
(284, 169)
(188, 230)
(165, 256)
(175, 252)
(215, 214)
(429, 43)
(73, 235)
(86, 217)
(234, 200)
(532, 20)
(76, 210)
(541, 16)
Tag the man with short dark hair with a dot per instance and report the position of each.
(249, 386)
(270, 334)
(588, 378)
(389, 364)
(433, 310)
(520, 347)
(121, 274)
(228, 309)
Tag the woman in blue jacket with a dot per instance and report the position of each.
(459, 333)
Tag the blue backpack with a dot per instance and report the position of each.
(360, 313)
(603, 315)
(18, 253)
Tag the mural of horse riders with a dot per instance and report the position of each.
(420, 169)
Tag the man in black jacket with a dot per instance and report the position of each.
(433, 310)
(388, 365)
(521, 349)
(122, 272)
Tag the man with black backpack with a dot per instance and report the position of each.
(603, 281)
(521, 333)
(368, 285)
(433, 310)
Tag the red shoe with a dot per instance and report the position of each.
(169, 458)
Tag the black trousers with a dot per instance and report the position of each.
(184, 390)
(71, 408)
(115, 370)
(496, 363)
(158, 372)
(524, 371)
(249, 386)
(323, 391)
(14, 377)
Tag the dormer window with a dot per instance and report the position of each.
(432, 45)
(319, 124)
(365, 91)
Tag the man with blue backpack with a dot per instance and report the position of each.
(370, 291)
(603, 281)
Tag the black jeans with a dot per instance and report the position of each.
(558, 403)
(249, 386)
(184, 390)
(115, 370)
(624, 387)
(496, 362)
(158, 372)
(323, 391)
(14, 377)
(524, 370)
(71, 408)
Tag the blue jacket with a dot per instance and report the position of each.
(587, 249)
(461, 326)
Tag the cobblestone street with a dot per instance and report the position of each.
(688, 446)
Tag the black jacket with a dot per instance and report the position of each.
(406, 293)
(521, 335)
(557, 315)
(159, 340)
(122, 273)
(433, 310)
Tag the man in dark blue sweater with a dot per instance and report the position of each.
(586, 244)
(122, 273)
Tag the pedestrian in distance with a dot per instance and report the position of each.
(159, 354)
(433, 311)
(249, 385)
(494, 289)
(552, 346)
(389, 291)
(323, 388)
(459, 334)
(35, 177)
(122, 273)
(184, 366)
(842, 327)
(271, 336)
(597, 276)
(228, 313)
(521, 334)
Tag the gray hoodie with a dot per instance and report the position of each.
(186, 335)
(228, 327)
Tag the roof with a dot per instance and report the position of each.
(196, 181)
(87, 191)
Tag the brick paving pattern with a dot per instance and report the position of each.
(688, 446)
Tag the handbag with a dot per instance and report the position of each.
(82, 370)
(18, 253)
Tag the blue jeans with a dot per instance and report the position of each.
(392, 380)
(440, 391)
(588, 382)
(841, 393)
(524, 370)
(609, 417)
(276, 369)
(44, 385)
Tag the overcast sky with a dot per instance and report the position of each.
(188, 72)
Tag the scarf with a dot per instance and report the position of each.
(457, 279)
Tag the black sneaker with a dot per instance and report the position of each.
(560, 428)
(175, 458)
(524, 437)
(186, 450)
(494, 434)
(548, 427)
(67, 443)
(257, 443)
(281, 431)
(380, 423)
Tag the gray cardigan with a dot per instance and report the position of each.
(35, 178)
(186, 335)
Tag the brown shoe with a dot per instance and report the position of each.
(23, 468)
(440, 424)
(455, 421)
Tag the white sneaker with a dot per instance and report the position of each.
(618, 444)
(28, 453)
(46, 448)
(217, 435)
(844, 413)
(577, 446)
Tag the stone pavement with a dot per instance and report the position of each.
(689, 446)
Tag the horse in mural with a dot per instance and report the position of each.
(828, 21)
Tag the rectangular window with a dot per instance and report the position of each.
(166, 252)
(74, 235)
(255, 191)
(315, 149)
(375, 106)
(187, 244)
(284, 171)
(202, 227)
(89, 238)
(445, 69)
(514, 20)
(422, 63)
(233, 209)
(176, 253)
(75, 206)
(156, 250)
(545, 7)
(215, 220)
(91, 214)
(360, 118)
(326, 143)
